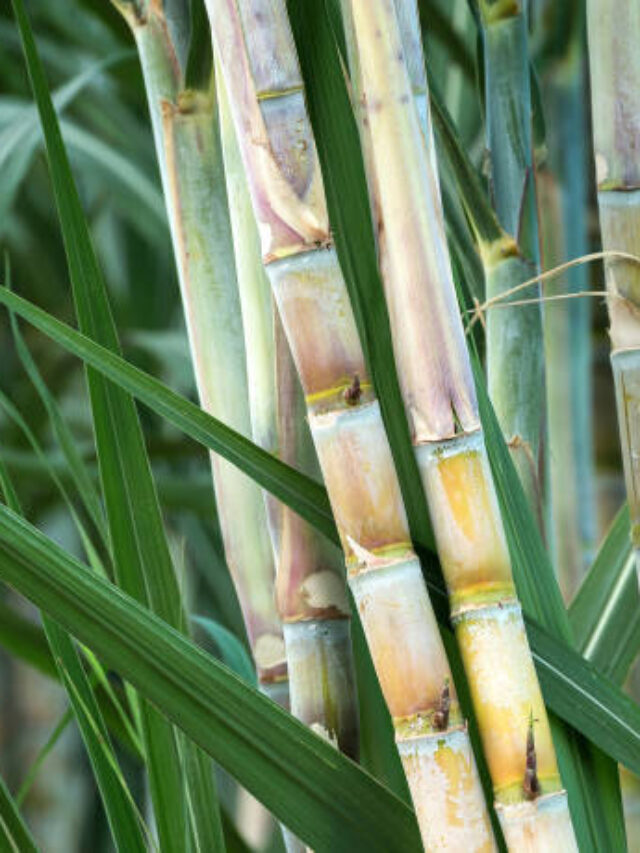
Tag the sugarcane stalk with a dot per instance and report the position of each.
(514, 340)
(438, 391)
(254, 45)
(190, 162)
(562, 184)
(310, 587)
(613, 27)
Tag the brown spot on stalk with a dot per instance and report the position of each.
(353, 392)
(441, 716)
(531, 783)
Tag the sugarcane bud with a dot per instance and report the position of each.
(531, 783)
(441, 716)
(353, 392)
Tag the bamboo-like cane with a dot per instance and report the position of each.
(255, 48)
(562, 185)
(439, 395)
(514, 340)
(190, 162)
(310, 587)
(613, 30)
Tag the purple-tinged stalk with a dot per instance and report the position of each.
(613, 30)
(438, 390)
(311, 592)
(254, 45)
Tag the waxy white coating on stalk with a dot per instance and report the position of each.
(540, 825)
(506, 696)
(317, 316)
(402, 634)
(352, 447)
(321, 668)
(429, 761)
(439, 396)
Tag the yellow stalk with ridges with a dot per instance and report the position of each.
(436, 382)
(254, 45)
(311, 592)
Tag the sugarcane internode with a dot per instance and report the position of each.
(353, 449)
(441, 406)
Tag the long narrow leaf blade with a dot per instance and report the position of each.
(322, 796)
(605, 614)
(303, 494)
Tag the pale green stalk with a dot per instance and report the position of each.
(562, 188)
(310, 585)
(515, 352)
(614, 61)
(190, 160)
(613, 31)
(260, 69)
(439, 395)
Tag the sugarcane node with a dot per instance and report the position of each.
(441, 716)
(531, 783)
(353, 393)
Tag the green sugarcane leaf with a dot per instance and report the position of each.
(605, 613)
(200, 58)
(142, 561)
(124, 821)
(14, 833)
(230, 649)
(20, 136)
(81, 477)
(32, 773)
(23, 639)
(305, 782)
(304, 495)
(439, 25)
(473, 197)
(526, 545)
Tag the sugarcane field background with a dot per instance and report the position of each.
(319, 425)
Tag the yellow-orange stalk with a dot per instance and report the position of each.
(254, 45)
(311, 592)
(439, 395)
